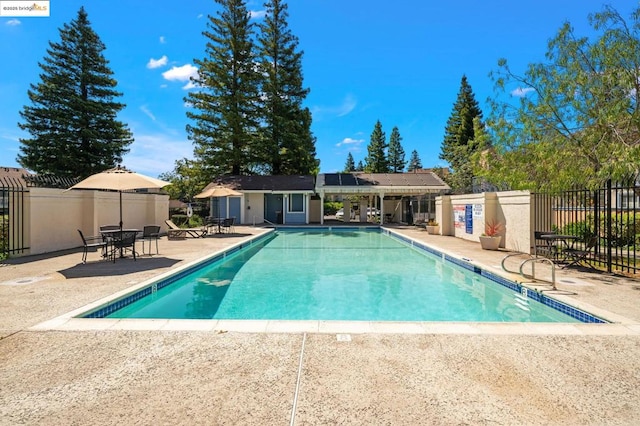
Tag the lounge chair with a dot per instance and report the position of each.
(92, 242)
(175, 231)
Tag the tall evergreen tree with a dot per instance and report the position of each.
(287, 144)
(225, 113)
(360, 167)
(414, 162)
(350, 165)
(72, 119)
(376, 161)
(460, 129)
(395, 155)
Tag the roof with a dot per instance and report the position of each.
(13, 176)
(388, 183)
(260, 183)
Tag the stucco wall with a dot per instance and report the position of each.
(512, 209)
(253, 209)
(54, 215)
(517, 215)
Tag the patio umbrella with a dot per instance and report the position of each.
(218, 191)
(119, 179)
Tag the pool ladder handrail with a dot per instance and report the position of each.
(533, 261)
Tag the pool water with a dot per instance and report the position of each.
(337, 275)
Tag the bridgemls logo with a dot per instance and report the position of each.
(24, 8)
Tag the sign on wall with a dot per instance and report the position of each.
(459, 216)
(468, 219)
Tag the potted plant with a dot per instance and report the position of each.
(490, 239)
(432, 227)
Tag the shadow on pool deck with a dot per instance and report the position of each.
(119, 267)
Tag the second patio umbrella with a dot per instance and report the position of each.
(216, 192)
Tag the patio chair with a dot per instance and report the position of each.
(577, 256)
(150, 233)
(175, 231)
(122, 241)
(542, 247)
(93, 241)
(227, 225)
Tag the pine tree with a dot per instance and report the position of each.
(72, 119)
(376, 161)
(460, 130)
(225, 111)
(396, 152)
(350, 165)
(414, 162)
(287, 144)
(360, 167)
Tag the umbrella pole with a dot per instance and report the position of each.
(120, 192)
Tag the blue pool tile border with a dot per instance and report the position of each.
(566, 309)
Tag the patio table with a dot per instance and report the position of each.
(552, 240)
(111, 236)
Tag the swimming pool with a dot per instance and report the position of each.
(341, 274)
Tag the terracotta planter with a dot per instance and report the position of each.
(433, 229)
(490, 243)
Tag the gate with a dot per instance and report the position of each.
(611, 214)
(12, 217)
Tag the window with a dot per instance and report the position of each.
(296, 203)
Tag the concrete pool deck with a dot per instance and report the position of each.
(207, 372)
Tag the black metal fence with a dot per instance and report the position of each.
(12, 217)
(611, 214)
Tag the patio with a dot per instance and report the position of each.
(202, 373)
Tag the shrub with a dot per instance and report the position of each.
(331, 207)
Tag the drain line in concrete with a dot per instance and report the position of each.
(295, 396)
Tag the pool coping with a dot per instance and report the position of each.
(71, 322)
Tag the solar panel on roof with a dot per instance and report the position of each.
(331, 179)
(348, 179)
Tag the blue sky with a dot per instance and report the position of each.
(397, 62)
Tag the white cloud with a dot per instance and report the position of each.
(350, 141)
(348, 104)
(257, 14)
(152, 154)
(189, 85)
(147, 112)
(162, 40)
(13, 22)
(521, 92)
(183, 73)
(200, 16)
(157, 63)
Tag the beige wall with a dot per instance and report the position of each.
(510, 208)
(54, 215)
(253, 209)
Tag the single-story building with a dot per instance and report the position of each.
(297, 200)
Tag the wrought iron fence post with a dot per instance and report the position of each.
(609, 224)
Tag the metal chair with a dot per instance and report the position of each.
(576, 256)
(547, 248)
(227, 225)
(150, 233)
(123, 240)
(93, 241)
